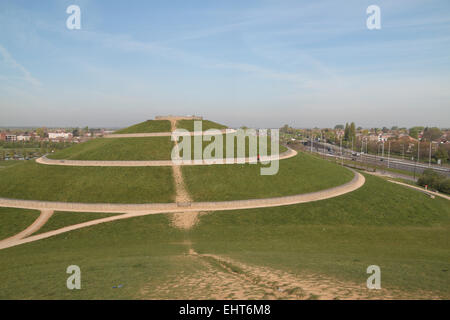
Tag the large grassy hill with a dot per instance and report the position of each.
(403, 231)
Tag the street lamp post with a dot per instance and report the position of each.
(389, 153)
(429, 159)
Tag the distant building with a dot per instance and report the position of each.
(171, 117)
(23, 138)
(59, 135)
(11, 137)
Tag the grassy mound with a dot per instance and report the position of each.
(121, 149)
(13, 221)
(33, 181)
(148, 126)
(401, 230)
(300, 174)
(206, 125)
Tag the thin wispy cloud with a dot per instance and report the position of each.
(11, 62)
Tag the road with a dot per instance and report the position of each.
(392, 163)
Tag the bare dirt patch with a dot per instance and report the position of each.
(216, 277)
(182, 220)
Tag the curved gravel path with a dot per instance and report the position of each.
(162, 163)
(35, 226)
(135, 210)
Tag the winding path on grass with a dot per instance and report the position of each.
(136, 210)
(35, 226)
(163, 163)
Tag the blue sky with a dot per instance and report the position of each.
(254, 63)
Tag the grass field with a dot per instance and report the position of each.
(63, 219)
(120, 149)
(148, 126)
(13, 221)
(129, 252)
(33, 181)
(401, 230)
(9, 163)
(206, 125)
(300, 174)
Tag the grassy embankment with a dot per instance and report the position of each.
(33, 181)
(148, 126)
(126, 149)
(120, 149)
(13, 221)
(300, 174)
(206, 125)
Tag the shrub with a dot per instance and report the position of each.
(445, 186)
(434, 181)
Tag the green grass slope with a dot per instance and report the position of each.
(64, 219)
(205, 144)
(206, 125)
(120, 149)
(401, 230)
(129, 252)
(13, 221)
(300, 174)
(148, 126)
(33, 181)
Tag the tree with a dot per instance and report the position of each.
(339, 126)
(352, 133)
(414, 132)
(441, 154)
(40, 132)
(430, 134)
(346, 132)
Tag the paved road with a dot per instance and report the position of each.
(394, 163)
